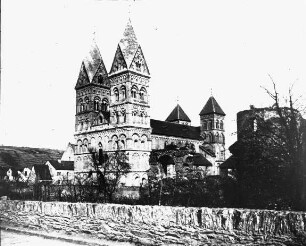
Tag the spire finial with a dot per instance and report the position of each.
(94, 34)
(177, 99)
(211, 92)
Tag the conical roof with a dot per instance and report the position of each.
(178, 114)
(212, 107)
(128, 44)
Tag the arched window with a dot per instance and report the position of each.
(116, 93)
(123, 92)
(134, 91)
(86, 103)
(217, 124)
(104, 105)
(85, 145)
(144, 140)
(142, 93)
(205, 125)
(222, 140)
(221, 125)
(115, 142)
(79, 107)
(100, 79)
(79, 148)
(100, 119)
(210, 124)
(135, 138)
(96, 103)
(122, 141)
(217, 138)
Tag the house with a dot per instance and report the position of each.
(60, 170)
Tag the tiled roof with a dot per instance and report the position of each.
(200, 160)
(212, 106)
(128, 44)
(92, 61)
(176, 130)
(63, 165)
(178, 114)
(42, 172)
(20, 157)
(230, 163)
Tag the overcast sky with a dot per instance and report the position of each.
(190, 47)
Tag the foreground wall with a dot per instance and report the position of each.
(157, 224)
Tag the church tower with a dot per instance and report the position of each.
(129, 105)
(212, 130)
(92, 105)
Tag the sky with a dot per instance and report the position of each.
(193, 49)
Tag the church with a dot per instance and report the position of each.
(113, 112)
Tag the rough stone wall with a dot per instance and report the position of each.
(154, 225)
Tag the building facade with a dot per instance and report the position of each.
(113, 113)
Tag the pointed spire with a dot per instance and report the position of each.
(178, 114)
(212, 107)
(128, 43)
(92, 61)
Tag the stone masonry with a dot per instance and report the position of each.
(159, 225)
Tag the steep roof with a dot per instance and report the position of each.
(128, 44)
(176, 130)
(200, 160)
(42, 172)
(178, 114)
(230, 163)
(20, 157)
(212, 107)
(129, 55)
(92, 65)
(63, 165)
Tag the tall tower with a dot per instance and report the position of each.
(212, 130)
(129, 105)
(92, 105)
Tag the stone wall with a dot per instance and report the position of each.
(154, 225)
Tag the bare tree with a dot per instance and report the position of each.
(108, 171)
(290, 135)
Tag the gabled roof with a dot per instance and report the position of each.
(128, 44)
(212, 107)
(176, 130)
(92, 65)
(129, 55)
(63, 165)
(42, 172)
(178, 114)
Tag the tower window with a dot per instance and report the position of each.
(116, 93)
(123, 92)
(221, 125)
(142, 93)
(100, 79)
(134, 91)
(217, 124)
(205, 125)
(210, 125)
(104, 105)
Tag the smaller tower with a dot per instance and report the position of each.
(212, 130)
(178, 116)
